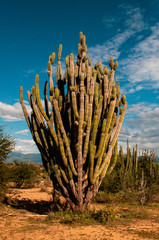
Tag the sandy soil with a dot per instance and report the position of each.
(21, 224)
(32, 194)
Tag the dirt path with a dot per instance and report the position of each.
(21, 224)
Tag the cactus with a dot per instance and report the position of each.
(78, 136)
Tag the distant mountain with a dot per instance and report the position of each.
(33, 157)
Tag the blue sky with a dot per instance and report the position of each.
(126, 30)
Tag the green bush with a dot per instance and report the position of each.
(137, 178)
(24, 174)
(85, 218)
(103, 215)
(111, 183)
(70, 217)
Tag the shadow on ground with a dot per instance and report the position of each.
(40, 207)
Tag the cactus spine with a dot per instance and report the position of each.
(78, 136)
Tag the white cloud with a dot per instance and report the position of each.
(141, 127)
(22, 132)
(24, 101)
(132, 20)
(109, 21)
(12, 112)
(109, 48)
(25, 146)
(130, 88)
(29, 72)
(135, 18)
(142, 63)
(139, 66)
(137, 108)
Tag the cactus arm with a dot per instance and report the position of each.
(96, 119)
(37, 139)
(39, 121)
(52, 132)
(26, 115)
(114, 129)
(58, 73)
(72, 71)
(62, 150)
(88, 78)
(118, 96)
(106, 93)
(88, 129)
(37, 92)
(73, 188)
(109, 118)
(112, 143)
(91, 164)
(51, 61)
(114, 160)
(95, 125)
(39, 145)
(60, 103)
(42, 136)
(86, 107)
(136, 162)
(111, 83)
(69, 109)
(80, 139)
(127, 156)
(65, 139)
(119, 124)
(74, 104)
(59, 180)
(64, 175)
(29, 97)
(69, 182)
(96, 94)
(46, 99)
(37, 115)
(101, 141)
(51, 85)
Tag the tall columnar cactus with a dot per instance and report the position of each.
(76, 137)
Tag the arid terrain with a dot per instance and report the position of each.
(29, 220)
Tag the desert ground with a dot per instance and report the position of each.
(29, 220)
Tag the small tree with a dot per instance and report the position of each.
(6, 144)
(6, 147)
(24, 174)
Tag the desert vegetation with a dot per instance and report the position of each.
(86, 179)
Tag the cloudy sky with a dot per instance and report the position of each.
(127, 30)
